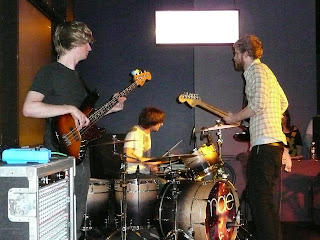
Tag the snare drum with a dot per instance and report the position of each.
(204, 163)
(97, 201)
(141, 196)
(203, 209)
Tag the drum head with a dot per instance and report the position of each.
(222, 208)
(203, 210)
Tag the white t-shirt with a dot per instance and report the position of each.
(141, 146)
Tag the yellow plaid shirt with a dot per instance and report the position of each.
(267, 99)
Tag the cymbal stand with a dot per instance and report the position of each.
(220, 170)
(174, 233)
(123, 205)
(123, 184)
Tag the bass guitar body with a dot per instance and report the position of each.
(71, 141)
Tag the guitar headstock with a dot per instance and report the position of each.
(191, 98)
(140, 76)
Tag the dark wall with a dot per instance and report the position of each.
(8, 73)
(124, 33)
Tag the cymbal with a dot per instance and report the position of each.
(167, 159)
(112, 142)
(218, 127)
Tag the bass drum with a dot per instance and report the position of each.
(203, 210)
(98, 201)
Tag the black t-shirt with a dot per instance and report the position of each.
(59, 85)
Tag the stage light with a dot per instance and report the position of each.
(197, 27)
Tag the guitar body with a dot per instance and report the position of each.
(72, 142)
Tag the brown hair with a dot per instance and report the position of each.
(151, 116)
(250, 44)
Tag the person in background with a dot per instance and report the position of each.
(266, 104)
(138, 141)
(308, 138)
(294, 139)
(57, 90)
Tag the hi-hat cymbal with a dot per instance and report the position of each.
(218, 127)
(112, 142)
(169, 158)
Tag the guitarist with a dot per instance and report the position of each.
(266, 104)
(58, 90)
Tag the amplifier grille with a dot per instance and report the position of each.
(54, 210)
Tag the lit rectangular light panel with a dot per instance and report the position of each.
(197, 27)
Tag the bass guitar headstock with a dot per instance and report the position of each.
(192, 99)
(140, 76)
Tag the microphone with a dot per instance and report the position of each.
(193, 135)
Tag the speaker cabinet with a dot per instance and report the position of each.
(37, 200)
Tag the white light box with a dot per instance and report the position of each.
(197, 27)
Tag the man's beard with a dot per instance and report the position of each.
(238, 66)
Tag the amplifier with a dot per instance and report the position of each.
(37, 200)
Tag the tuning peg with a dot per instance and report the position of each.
(135, 72)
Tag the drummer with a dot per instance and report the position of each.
(137, 144)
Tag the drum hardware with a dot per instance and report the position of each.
(86, 228)
(123, 204)
(175, 232)
(113, 141)
(169, 151)
(170, 158)
(219, 126)
(243, 233)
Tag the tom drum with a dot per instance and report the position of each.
(97, 201)
(203, 164)
(141, 196)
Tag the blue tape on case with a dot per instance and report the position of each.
(26, 155)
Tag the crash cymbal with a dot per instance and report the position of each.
(218, 127)
(112, 142)
(169, 158)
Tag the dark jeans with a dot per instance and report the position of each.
(81, 186)
(263, 170)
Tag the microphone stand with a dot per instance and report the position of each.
(138, 184)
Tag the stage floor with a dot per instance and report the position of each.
(290, 231)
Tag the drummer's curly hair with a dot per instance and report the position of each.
(251, 44)
(151, 116)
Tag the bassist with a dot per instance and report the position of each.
(57, 90)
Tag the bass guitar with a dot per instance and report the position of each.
(72, 141)
(194, 100)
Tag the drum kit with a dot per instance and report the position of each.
(195, 203)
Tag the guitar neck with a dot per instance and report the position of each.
(212, 109)
(102, 111)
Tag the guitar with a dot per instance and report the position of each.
(72, 141)
(194, 100)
